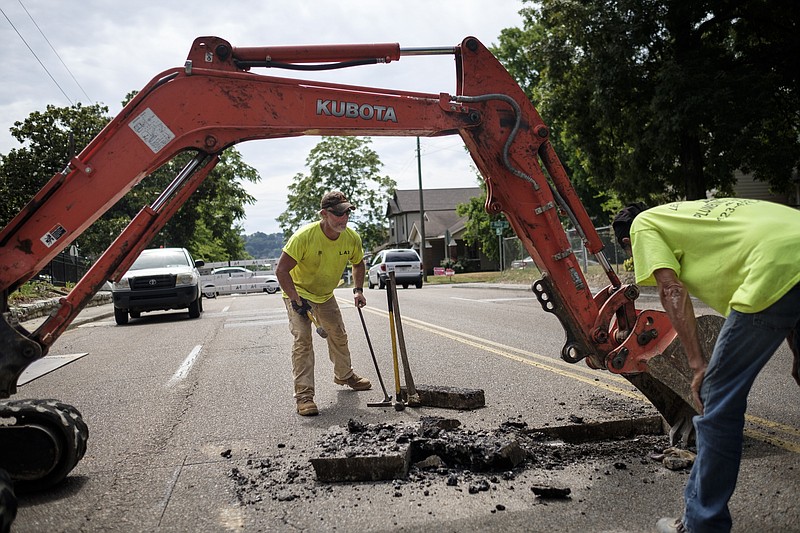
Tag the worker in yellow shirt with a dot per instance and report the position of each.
(742, 258)
(309, 269)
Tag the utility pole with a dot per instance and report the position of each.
(421, 216)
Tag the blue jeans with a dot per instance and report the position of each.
(745, 344)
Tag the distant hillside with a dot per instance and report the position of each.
(263, 246)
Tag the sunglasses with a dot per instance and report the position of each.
(339, 213)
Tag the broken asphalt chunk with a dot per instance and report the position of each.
(551, 492)
(449, 397)
(391, 465)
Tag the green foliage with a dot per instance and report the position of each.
(50, 138)
(456, 265)
(264, 246)
(628, 264)
(656, 99)
(206, 223)
(350, 165)
(35, 290)
(478, 228)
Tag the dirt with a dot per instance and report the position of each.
(445, 456)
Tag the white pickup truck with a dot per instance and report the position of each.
(237, 280)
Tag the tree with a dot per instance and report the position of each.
(50, 138)
(478, 229)
(263, 246)
(664, 99)
(347, 164)
(206, 223)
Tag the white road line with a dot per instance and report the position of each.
(225, 309)
(185, 367)
(254, 323)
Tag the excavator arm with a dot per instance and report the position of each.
(214, 101)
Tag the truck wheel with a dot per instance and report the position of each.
(8, 502)
(419, 283)
(121, 316)
(381, 284)
(194, 308)
(371, 285)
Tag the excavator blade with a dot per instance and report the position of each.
(667, 382)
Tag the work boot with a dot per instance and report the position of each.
(355, 382)
(670, 525)
(306, 407)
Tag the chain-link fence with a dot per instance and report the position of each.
(514, 251)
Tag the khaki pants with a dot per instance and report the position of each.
(330, 318)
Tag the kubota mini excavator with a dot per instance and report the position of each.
(215, 101)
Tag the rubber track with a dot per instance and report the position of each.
(65, 419)
(8, 502)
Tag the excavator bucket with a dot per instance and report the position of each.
(667, 381)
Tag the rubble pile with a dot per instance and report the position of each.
(441, 455)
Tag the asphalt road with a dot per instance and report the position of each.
(192, 426)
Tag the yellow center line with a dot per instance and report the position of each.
(573, 372)
(775, 441)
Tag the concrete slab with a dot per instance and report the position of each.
(613, 429)
(448, 397)
(383, 467)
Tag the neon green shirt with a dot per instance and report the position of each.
(731, 253)
(320, 260)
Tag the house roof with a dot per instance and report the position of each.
(407, 201)
(437, 223)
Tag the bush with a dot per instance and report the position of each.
(628, 265)
(455, 265)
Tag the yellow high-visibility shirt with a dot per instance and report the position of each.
(320, 260)
(731, 253)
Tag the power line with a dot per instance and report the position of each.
(54, 51)
(37, 57)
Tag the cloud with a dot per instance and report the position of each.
(114, 48)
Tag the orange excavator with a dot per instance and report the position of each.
(216, 101)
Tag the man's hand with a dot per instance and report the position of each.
(302, 308)
(360, 300)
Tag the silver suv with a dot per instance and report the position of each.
(404, 262)
(159, 279)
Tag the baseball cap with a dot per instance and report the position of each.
(336, 201)
(624, 220)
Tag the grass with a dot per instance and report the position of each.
(32, 291)
(521, 276)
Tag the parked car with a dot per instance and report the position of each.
(528, 262)
(523, 263)
(404, 262)
(236, 279)
(159, 280)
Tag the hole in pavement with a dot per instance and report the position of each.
(442, 455)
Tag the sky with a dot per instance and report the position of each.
(61, 52)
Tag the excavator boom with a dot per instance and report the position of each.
(214, 102)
